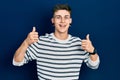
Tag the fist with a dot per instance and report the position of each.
(87, 44)
(32, 37)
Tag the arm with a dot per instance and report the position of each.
(20, 52)
(93, 59)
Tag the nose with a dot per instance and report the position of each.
(62, 20)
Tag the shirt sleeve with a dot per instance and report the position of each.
(18, 63)
(30, 55)
(91, 64)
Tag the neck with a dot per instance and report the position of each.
(61, 36)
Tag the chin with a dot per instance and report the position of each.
(62, 31)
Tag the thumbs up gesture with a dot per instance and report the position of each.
(87, 44)
(32, 37)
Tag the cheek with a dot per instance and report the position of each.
(68, 21)
(56, 22)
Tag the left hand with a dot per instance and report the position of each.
(87, 44)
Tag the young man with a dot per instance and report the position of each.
(59, 55)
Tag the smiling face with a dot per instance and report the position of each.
(61, 20)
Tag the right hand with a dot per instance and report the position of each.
(32, 37)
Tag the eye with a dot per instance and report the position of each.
(57, 17)
(67, 17)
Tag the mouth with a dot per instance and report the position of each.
(62, 25)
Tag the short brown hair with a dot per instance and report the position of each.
(61, 7)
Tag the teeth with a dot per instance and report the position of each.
(62, 25)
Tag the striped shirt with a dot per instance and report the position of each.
(58, 59)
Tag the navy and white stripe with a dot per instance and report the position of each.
(57, 60)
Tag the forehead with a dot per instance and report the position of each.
(62, 12)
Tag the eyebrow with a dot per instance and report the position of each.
(60, 15)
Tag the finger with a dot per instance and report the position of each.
(87, 37)
(84, 41)
(34, 29)
(35, 36)
(36, 40)
(35, 33)
(83, 47)
(31, 37)
(84, 44)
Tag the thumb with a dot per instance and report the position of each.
(34, 29)
(87, 37)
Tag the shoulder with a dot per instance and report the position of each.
(75, 38)
(46, 36)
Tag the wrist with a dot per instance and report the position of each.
(25, 43)
(93, 52)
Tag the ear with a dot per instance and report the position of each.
(70, 20)
(52, 20)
